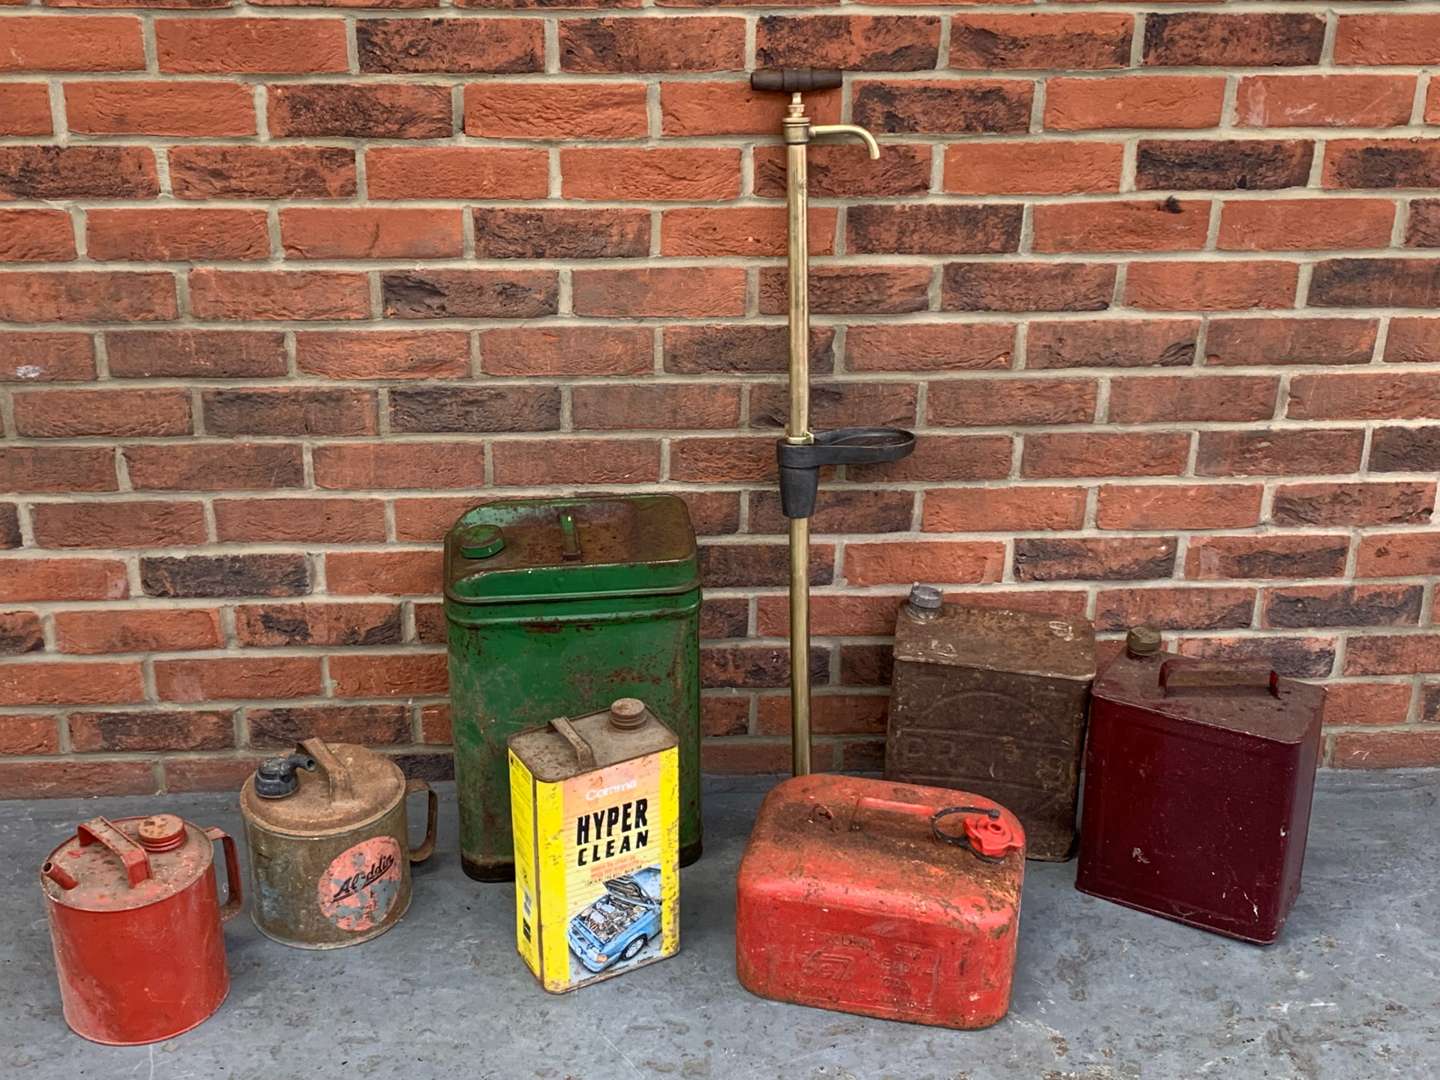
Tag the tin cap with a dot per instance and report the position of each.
(925, 597)
(627, 714)
(350, 786)
(1142, 641)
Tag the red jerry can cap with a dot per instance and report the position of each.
(985, 831)
(126, 864)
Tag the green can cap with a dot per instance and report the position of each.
(481, 541)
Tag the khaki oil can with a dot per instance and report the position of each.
(595, 807)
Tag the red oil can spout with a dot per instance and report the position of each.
(59, 875)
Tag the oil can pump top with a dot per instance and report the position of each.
(343, 785)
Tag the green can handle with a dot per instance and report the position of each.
(569, 537)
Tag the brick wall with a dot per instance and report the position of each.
(286, 288)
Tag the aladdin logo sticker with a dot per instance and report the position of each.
(361, 885)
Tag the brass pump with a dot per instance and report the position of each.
(802, 452)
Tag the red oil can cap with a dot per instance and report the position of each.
(992, 837)
(160, 832)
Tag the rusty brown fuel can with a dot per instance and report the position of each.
(1198, 779)
(135, 922)
(329, 844)
(993, 702)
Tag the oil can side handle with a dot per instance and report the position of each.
(432, 818)
(234, 890)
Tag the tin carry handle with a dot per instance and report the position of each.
(100, 830)
(336, 774)
(432, 816)
(234, 891)
(585, 756)
(1213, 678)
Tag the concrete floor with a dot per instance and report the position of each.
(1101, 993)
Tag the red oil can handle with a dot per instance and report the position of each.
(234, 891)
(432, 817)
(131, 855)
(1211, 678)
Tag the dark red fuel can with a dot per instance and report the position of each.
(888, 900)
(135, 921)
(1198, 779)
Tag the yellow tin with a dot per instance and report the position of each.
(595, 806)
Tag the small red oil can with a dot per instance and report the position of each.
(888, 900)
(1198, 778)
(135, 922)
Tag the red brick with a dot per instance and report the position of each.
(454, 172)
(278, 625)
(28, 735)
(361, 110)
(1111, 343)
(397, 675)
(308, 521)
(130, 524)
(228, 773)
(59, 779)
(943, 107)
(1343, 605)
(1177, 608)
(232, 678)
(399, 465)
(930, 347)
(1136, 101)
(748, 348)
(944, 561)
(1216, 558)
(1296, 657)
(87, 296)
(576, 461)
(250, 45)
(631, 407)
(727, 715)
(1366, 703)
(1015, 168)
(474, 408)
(726, 460)
(1168, 225)
(71, 682)
(838, 171)
(371, 233)
(1072, 42)
(1163, 399)
(843, 290)
(25, 109)
(401, 46)
(551, 110)
(1221, 165)
(1178, 506)
(1211, 286)
(1324, 100)
(383, 354)
(1019, 286)
(176, 235)
(365, 724)
(838, 404)
(1278, 452)
(1238, 342)
(1405, 449)
(1066, 559)
(469, 294)
(943, 457)
(1252, 39)
(62, 579)
(278, 294)
(35, 236)
(69, 172)
(1423, 227)
(752, 565)
(739, 757)
(138, 354)
(931, 229)
(1402, 502)
(384, 573)
(1305, 224)
(160, 108)
(1010, 509)
(726, 108)
(567, 351)
(660, 293)
(689, 44)
(435, 723)
(20, 632)
(262, 172)
(1388, 39)
(830, 714)
(1007, 402)
(1367, 396)
(832, 615)
(1385, 749)
(676, 173)
(290, 411)
(1376, 283)
(528, 233)
(1104, 454)
(44, 468)
(1382, 163)
(93, 732)
(849, 42)
(1398, 555)
(742, 230)
(267, 574)
(71, 43)
(143, 631)
(1392, 654)
(227, 466)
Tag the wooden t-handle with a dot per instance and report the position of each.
(795, 80)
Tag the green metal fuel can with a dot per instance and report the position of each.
(557, 607)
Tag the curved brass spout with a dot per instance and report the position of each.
(820, 130)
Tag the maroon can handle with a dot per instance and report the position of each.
(234, 892)
(1211, 678)
(101, 831)
(432, 817)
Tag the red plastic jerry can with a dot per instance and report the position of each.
(888, 900)
(135, 921)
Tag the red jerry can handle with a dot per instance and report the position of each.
(986, 833)
(1215, 678)
(234, 891)
(132, 856)
(432, 817)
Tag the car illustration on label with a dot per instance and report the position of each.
(620, 923)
